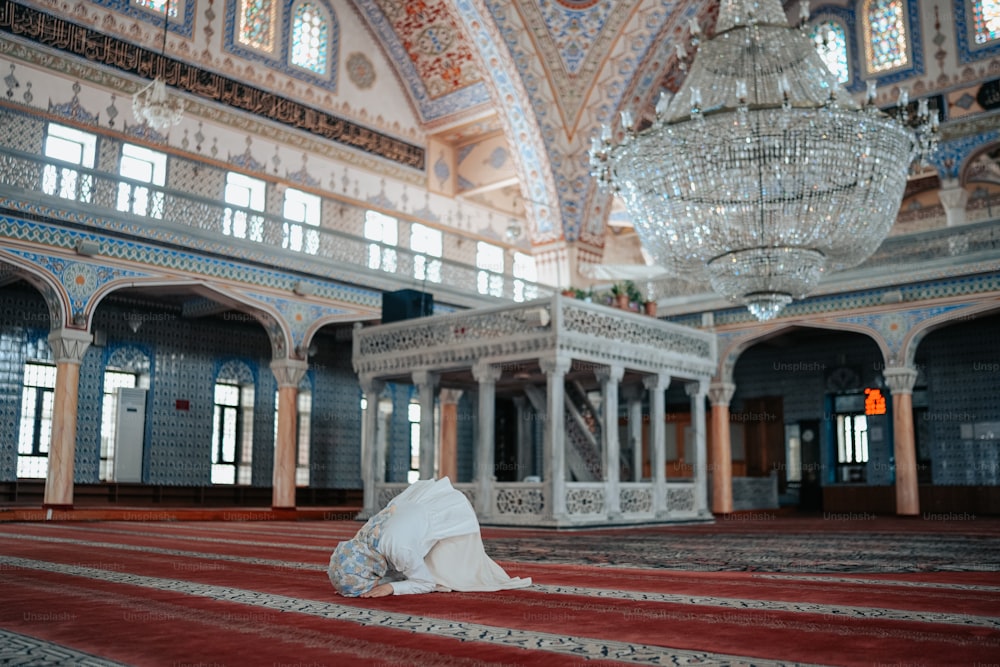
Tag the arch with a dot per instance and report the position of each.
(730, 354)
(274, 324)
(974, 170)
(48, 285)
(914, 337)
(237, 370)
(520, 123)
(129, 357)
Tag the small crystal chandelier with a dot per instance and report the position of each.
(761, 173)
(153, 104)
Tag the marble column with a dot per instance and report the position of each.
(426, 383)
(525, 453)
(372, 459)
(486, 375)
(448, 458)
(954, 199)
(719, 395)
(633, 396)
(697, 391)
(657, 386)
(68, 347)
(554, 471)
(901, 381)
(610, 377)
(289, 373)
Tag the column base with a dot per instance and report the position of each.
(57, 506)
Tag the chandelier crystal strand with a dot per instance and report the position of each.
(154, 104)
(760, 174)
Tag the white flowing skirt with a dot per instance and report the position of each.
(458, 560)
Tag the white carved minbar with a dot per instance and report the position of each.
(540, 355)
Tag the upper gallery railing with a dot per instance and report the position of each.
(183, 212)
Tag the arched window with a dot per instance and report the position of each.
(831, 43)
(160, 6)
(232, 425)
(986, 20)
(256, 24)
(310, 42)
(885, 31)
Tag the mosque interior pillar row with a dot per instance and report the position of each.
(554, 472)
(610, 377)
(448, 457)
(697, 391)
(486, 375)
(633, 399)
(426, 382)
(372, 460)
(289, 373)
(523, 435)
(657, 386)
(901, 381)
(68, 347)
(721, 461)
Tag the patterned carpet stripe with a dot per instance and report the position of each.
(275, 628)
(18, 649)
(211, 556)
(580, 647)
(840, 611)
(735, 603)
(878, 582)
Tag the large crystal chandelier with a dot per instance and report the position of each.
(761, 173)
(154, 104)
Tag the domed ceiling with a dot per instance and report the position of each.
(539, 77)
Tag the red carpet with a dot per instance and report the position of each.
(256, 593)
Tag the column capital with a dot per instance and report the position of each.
(555, 366)
(632, 392)
(900, 379)
(289, 372)
(371, 387)
(698, 388)
(485, 373)
(425, 378)
(450, 396)
(721, 393)
(611, 373)
(659, 382)
(69, 345)
(953, 196)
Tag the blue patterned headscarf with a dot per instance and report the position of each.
(356, 565)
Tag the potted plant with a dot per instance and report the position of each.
(620, 295)
(634, 295)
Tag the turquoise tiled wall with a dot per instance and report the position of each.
(183, 357)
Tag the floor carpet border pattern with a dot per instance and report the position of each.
(582, 647)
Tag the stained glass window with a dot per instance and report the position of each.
(159, 5)
(257, 20)
(885, 34)
(986, 19)
(309, 38)
(831, 43)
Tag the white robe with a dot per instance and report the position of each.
(432, 540)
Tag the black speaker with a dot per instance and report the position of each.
(406, 304)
